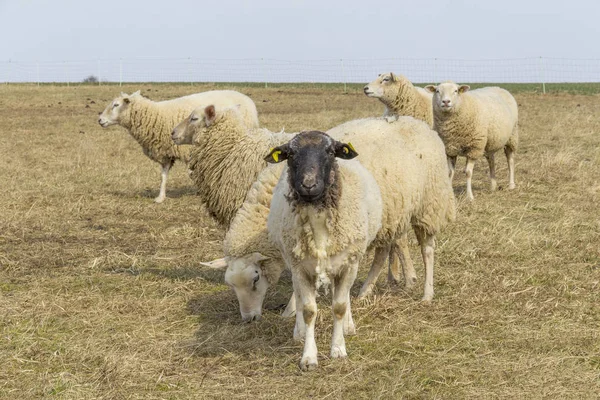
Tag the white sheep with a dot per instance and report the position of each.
(324, 215)
(225, 162)
(474, 124)
(420, 152)
(226, 156)
(400, 97)
(151, 122)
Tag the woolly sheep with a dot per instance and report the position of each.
(476, 123)
(324, 215)
(225, 162)
(400, 97)
(247, 233)
(151, 122)
(226, 157)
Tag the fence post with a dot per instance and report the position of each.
(543, 78)
(66, 72)
(120, 72)
(344, 75)
(190, 71)
(265, 70)
(98, 70)
(38, 74)
(435, 78)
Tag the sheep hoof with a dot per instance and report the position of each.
(308, 363)
(512, 186)
(338, 352)
(160, 199)
(427, 298)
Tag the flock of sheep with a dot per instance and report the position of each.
(319, 212)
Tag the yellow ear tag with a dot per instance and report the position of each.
(351, 148)
(275, 155)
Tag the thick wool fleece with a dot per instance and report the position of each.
(349, 227)
(406, 147)
(402, 98)
(247, 232)
(226, 160)
(151, 122)
(483, 123)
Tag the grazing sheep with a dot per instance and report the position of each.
(151, 122)
(476, 123)
(419, 151)
(324, 215)
(400, 97)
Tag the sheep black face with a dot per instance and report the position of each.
(311, 162)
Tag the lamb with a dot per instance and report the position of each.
(247, 233)
(151, 122)
(400, 97)
(476, 123)
(324, 215)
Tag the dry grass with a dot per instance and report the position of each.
(102, 297)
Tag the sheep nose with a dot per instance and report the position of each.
(173, 135)
(366, 88)
(309, 183)
(446, 102)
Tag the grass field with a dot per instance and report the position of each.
(102, 296)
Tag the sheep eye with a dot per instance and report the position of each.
(116, 105)
(194, 119)
(437, 91)
(255, 281)
(386, 79)
(456, 91)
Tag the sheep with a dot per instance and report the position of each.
(226, 158)
(151, 122)
(324, 215)
(410, 169)
(476, 123)
(400, 97)
(247, 233)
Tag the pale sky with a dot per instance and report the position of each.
(80, 30)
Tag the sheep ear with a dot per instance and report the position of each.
(126, 100)
(278, 154)
(136, 93)
(345, 151)
(210, 114)
(255, 258)
(430, 88)
(123, 94)
(463, 88)
(219, 263)
(393, 77)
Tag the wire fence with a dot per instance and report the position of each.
(426, 70)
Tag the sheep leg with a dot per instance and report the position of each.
(162, 195)
(380, 255)
(451, 167)
(300, 327)
(401, 252)
(341, 295)
(510, 158)
(349, 328)
(307, 297)
(427, 243)
(492, 163)
(290, 310)
(469, 172)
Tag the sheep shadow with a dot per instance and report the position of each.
(221, 330)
